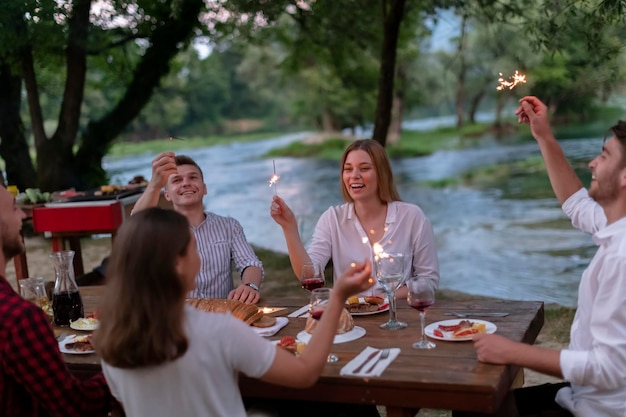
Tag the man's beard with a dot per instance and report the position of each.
(11, 246)
(12, 249)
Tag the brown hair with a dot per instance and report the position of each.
(387, 191)
(619, 130)
(186, 160)
(141, 314)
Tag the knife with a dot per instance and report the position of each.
(369, 358)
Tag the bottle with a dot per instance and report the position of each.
(67, 304)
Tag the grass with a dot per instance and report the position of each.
(412, 144)
(160, 145)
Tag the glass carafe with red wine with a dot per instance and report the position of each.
(312, 276)
(67, 304)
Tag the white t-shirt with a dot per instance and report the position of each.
(595, 361)
(204, 381)
(340, 236)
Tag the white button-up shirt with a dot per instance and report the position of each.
(595, 361)
(340, 236)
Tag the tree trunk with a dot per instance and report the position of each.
(460, 85)
(329, 124)
(13, 147)
(392, 20)
(475, 103)
(395, 128)
(166, 41)
(56, 166)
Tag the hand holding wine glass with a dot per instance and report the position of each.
(312, 276)
(421, 295)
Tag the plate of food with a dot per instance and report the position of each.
(85, 323)
(364, 306)
(458, 330)
(76, 345)
(290, 344)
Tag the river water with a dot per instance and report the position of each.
(505, 241)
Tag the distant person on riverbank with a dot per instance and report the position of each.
(163, 357)
(220, 239)
(34, 380)
(373, 214)
(594, 364)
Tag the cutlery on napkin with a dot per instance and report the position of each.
(301, 312)
(366, 356)
(271, 331)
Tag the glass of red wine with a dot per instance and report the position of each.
(312, 276)
(319, 301)
(421, 296)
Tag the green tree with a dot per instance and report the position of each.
(64, 159)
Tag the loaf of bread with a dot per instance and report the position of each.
(248, 313)
(346, 323)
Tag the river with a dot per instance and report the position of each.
(502, 241)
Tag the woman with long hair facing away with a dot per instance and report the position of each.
(162, 357)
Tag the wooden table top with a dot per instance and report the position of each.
(446, 377)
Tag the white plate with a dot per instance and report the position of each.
(447, 336)
(84, 324)
(383, 307)
(70, 339)
(353, 334)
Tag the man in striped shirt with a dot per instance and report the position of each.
(220, 239)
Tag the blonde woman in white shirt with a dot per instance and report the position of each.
(372, 214)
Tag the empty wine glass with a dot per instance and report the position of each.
(390, 275)
(421, 296)
(319, 301)
(312, 276)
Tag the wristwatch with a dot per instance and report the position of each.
(252, 285)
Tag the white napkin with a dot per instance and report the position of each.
(300, 312)
(348, 369)
(271, 331)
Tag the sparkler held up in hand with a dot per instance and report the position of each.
(515, 79)
(274, 180)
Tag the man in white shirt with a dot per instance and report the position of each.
(594, 364)
(220, 239)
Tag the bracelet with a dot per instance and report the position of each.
(252, 285)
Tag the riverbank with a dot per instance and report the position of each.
(280, 282)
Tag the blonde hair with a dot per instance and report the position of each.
(387, 191)
(141, 314)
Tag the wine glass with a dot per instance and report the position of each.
(312, 276)
(390, 276)
(319, 301)
(421, 296)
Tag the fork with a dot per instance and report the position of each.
(463, 315)
(384, 354)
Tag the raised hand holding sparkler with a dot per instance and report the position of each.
(515, 79)
(274, 180)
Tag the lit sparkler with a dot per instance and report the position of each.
(517, 78)
(274, 180)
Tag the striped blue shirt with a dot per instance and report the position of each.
(220, 240)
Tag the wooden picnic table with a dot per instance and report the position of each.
(446, 377)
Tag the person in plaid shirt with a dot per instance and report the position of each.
(33, 378)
